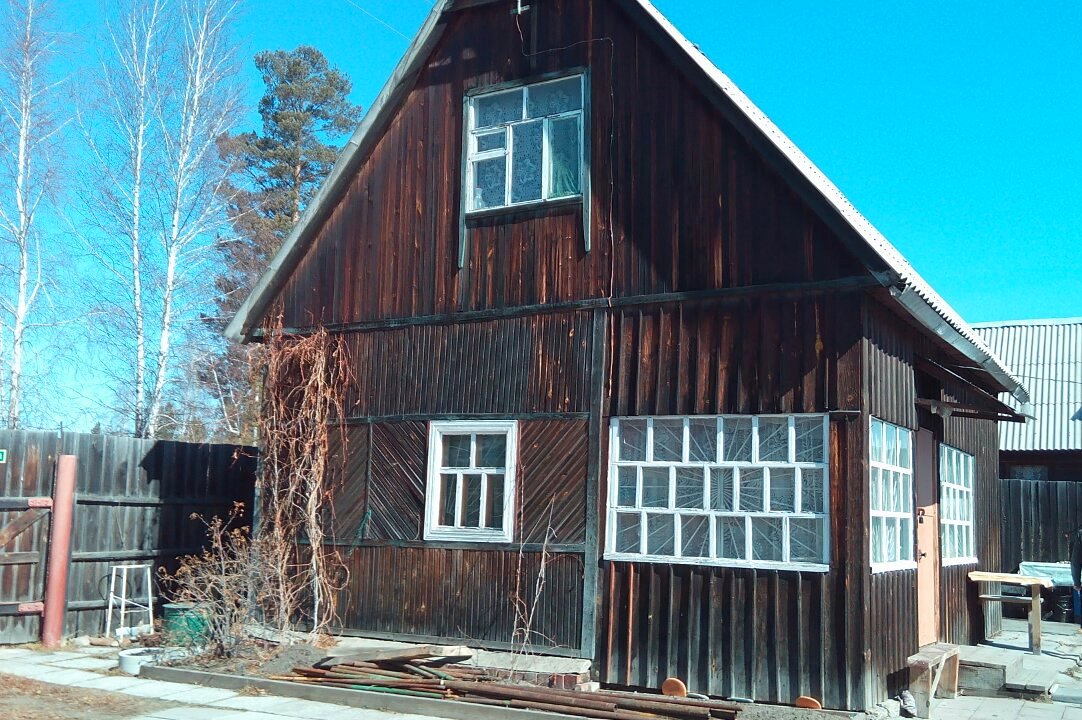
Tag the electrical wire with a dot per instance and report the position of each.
(381, 21)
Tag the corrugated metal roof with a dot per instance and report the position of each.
(1046, 355)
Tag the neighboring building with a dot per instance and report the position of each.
(608, 322)
(1046, 355)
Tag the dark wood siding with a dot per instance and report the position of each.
(680, 200)
(893, 347)
(513, 365)
(399, 585)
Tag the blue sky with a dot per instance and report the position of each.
(956, 127)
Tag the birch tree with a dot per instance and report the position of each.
(166, 93)
(27, 136)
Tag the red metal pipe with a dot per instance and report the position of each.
(56, 579)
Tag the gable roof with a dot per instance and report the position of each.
(1047, 356)
(908, 288)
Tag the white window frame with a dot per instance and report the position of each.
(474, 156)
(962, 487)
(893, 468)
(433, 530)
(613, 494)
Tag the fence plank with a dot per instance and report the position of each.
(1037, 516)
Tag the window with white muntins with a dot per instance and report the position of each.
(891, 496)
(734, 490)
(470, 489)
(524, 145)
(956, 471)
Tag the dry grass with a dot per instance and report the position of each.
(22, 699)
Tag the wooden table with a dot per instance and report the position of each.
(1034, 583)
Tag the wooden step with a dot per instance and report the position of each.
(984, 670)
(1033, 684)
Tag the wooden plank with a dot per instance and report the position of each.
(450, 653)
(1010, 578)
(23, 522)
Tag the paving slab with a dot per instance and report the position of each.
(260, 703)
(66, 676)
(52, 656)
(109, 682)
(198, 695)
(306, 709)
(6, 653)
(156, 689)
(185, 713)
(86, 663)
(98, 650)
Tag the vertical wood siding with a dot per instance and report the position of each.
(517, 365)
(680, 201)
(1038, 516)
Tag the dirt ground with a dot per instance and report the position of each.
(22, 699)
(260, 661)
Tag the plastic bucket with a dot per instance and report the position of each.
(184, 624)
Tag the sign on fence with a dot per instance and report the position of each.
(3, 456)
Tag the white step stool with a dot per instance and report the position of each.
(129, 605)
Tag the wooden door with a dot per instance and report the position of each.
(926, 486)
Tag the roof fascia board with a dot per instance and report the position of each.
(360, 143)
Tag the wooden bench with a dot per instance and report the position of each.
(933, 672)
(1034, 583)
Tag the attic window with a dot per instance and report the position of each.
(525, 145)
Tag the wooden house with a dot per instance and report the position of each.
(608, 323)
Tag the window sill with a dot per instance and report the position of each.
(467, 536)
(505, 210)
(960, 561)
(893, 567)
(707, 562)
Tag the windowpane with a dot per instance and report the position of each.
(627, 532)
(668, 440)
(737, 439)
(632, 440)
(498, 108)
(731, 538)
(879, 535)
(905, 533)
(689, 487)
(492, 141)
(875, 490)
(766, 539)
(491, 451)
(627, 486)
(773, 439)
(655, 487)
(811, 490)
(877, 441)
(783, 490)
(660, 534)
(891, 539)
(554, 98)
(471, 501)
(565, 158)
(751, 489)
(489, 183)
(526, 161)
(805, 539)
(456, 451)
(695, 535)
(721, 489)
(448, 488)
(494, 512)
(702, 440)
(905, 454)
(809, 439)
(890, 444)
(688, 481)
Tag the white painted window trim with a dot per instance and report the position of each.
(613, 508)
(947, 482)
(894, 565)
(432, 529)
(473, 156)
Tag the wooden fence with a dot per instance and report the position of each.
(1037, 515)
(134, 502)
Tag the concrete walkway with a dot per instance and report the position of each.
(88, 668)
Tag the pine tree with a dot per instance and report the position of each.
(306, 114)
